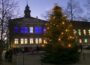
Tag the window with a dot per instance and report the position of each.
(16, 29)
(38, 30)
(22, 41)
(26, 41)
(31, 29)
(85, 40)
(89, 31)
(36, 40)
(40, 40)
(79, 31)
(16, 40)
(24, 29)
(74, 31)
(31, 41)
(80, 40)
(45, 42)
(84, 32)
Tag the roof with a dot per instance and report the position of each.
(81, 24)
(30, 20)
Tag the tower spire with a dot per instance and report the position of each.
(27, 1)
(27, 12)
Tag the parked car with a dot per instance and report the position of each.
(86, 47)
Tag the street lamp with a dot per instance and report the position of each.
(23, 55)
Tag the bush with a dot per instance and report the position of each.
(61, 56)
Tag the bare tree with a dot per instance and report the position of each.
(6, 11)
(73, 10)
(7, 8)
(87, 10)
(88, 5)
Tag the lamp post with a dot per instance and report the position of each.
(23, 55)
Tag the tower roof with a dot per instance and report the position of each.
(27, 11)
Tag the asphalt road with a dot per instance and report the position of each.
(34, 59)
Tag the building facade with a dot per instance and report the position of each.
(28, 31)
(82, 30)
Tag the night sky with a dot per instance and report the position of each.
(41, 7)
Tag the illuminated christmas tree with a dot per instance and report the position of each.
(61, 47)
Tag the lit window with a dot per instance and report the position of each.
(79, 31)
(84, 32)
(22, 41)
(31, 41)
(80, 40)
(36, 40)
(40, 40)
(16, 41)
(89, 32)
(63, 22)
(5, 38)
(38, 30)
(45, 42)
(75, 31)
(26, 41)
(85, 40)
(24, 29)
(16, 29)
(31, 29)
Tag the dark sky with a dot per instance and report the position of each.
(40, 7)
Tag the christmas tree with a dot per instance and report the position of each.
(61, 47)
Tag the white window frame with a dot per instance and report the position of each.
(31, 29)
(16, 41)
(40, 40)
(31, 41)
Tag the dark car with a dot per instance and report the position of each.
(86, 47)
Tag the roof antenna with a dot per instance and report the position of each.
(26, 2)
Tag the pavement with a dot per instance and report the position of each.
(34, 59)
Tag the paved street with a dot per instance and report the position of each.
(28, 59)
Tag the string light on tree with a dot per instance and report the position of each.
(62, 33)
(66, 30)
(54, 17)
(69, 46)
(59, 39)
(63, 22)
(47, 28)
